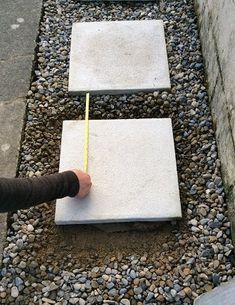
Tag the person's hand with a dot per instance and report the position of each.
(84, 181)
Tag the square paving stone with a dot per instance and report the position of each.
(222, 295)
(118, 57)
(133, 169)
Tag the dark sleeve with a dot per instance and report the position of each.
(21, 193)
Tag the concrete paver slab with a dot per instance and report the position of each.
(11, 121)
(133, 168)
(19, 21)
(18, 35)
(3, 230)
(118, 57)
(222, 295)
(16, 74)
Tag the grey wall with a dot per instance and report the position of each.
(217, 32)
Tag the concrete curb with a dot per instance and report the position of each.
(218, 47)
(12, 115)
(3, 229)
(19, 31)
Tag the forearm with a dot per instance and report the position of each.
(21, 193)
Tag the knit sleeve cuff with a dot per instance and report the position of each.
(73, 182)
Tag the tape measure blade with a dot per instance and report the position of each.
(86, 144)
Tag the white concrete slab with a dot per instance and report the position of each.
(133, 169)
(118, 57)
(222, 295)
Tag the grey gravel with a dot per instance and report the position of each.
(125, 302)
(201, 256)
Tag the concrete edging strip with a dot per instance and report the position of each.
(18, 35)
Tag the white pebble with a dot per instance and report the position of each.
(14, 292)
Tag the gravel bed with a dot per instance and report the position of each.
(200, 257)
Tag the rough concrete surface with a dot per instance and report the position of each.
(118, 149)
(118, 57)
(222, 295)
(217, 32)
(19, 21)
(18, 40)
(11, 122)
(3, 226)
(16, 74)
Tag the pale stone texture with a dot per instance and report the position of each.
(223, 295)
(217, 32)
(118, 57)
(133, 169)
(11, 121)
(18, 34)
(3, 226)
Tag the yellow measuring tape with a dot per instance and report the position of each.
(86, 145)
